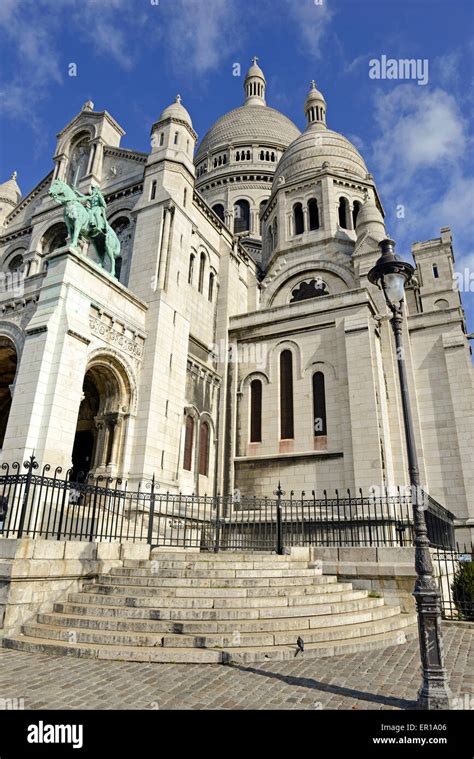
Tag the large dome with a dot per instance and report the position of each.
(249, 123)
(315, 147)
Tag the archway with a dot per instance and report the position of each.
(55, 237)
(100, 430)
(8, 367)
(86, 432)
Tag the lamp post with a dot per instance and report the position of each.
(392, 275)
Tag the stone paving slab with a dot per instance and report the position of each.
(383, 679)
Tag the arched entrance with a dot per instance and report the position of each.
(8, 367)
(100, 431)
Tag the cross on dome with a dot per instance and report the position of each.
(255, 60)
(178, 99)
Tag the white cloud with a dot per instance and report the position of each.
(312, 20)
(202, 34)
(419, 159)
(417, 130)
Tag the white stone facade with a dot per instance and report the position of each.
(176, 370)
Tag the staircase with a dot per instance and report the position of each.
(234, 608)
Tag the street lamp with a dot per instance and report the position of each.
(392, 275)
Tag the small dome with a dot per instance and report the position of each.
(9, 190)
(176, 111)
(314, 96)
(369, 219)
(255, 70)
(317, 149)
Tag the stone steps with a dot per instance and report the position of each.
(74, 616)
(388, 622)
(229, 574)
(209, 656)
(223, 601)
(257, 582)
(203, 608)
(191, 591)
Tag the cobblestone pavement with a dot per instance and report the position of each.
(383, 679)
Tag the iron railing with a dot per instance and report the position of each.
(41, 503)
(454, 570)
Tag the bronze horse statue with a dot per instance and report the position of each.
(84, 216)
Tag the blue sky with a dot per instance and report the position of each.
(134, 56)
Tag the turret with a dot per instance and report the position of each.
(10, 196)
(255, 85)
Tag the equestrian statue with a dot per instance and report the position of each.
(85, 218)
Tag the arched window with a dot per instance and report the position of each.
(273, 157)
(212, 279)
(202, 268)
(8, 367)
(355, 212)
(16, 263)
(122, 229)
(263, 205)
(219, 211)
(267, 155)
(79, 160)
(204, 445)
(275, 233)
(153, 190)
(185, 196)
(287, 427)
(262, 155)
(313, 213)
(55, 237)
(319, 405)
(188, 444)
(435, 271)
(256, 412)
(248, 155)
(176, 138)
(298, 219)
(191, 269)
(270, 240)
(237, 156)
(242, 216)
(343, 213)
(162, 138)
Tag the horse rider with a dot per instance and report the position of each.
(96, 202)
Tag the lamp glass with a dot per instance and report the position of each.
(394, 288)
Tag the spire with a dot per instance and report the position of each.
(315, 107)
(255, 84)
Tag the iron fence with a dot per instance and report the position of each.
(454, 571)
(41, 503)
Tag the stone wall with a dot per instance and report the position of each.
(388, 572)
(34, 574)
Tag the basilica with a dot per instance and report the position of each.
(239, 342)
